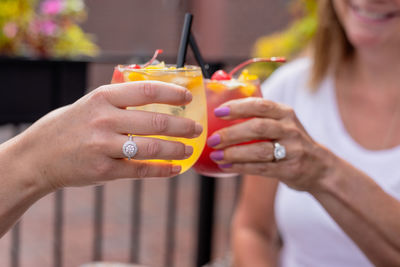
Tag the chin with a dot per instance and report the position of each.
(365, 41)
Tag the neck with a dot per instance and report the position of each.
(377, 69)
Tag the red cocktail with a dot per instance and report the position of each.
(221, 88)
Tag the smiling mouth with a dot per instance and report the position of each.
(373, 15)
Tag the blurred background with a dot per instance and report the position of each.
(154, 222)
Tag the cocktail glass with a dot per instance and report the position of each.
(221, 88)
(189, 77)
(219, 92)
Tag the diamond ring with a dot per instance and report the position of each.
(279, 151)
(130, 148)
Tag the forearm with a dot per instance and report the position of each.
(20, 186)
(369, 216)
(251, 248)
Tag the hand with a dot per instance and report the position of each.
(81, 144)
(306, 162)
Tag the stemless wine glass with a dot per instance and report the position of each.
(189, 77)
(221, 88)
(219, 92)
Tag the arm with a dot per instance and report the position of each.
(18, 187)
(255, 238)
(81, 144)
(369, 216)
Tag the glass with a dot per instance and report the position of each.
(218, 92)
(189, 77)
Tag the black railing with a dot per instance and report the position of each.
(57, 83)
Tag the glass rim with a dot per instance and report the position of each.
(207, 80)
(186, 68)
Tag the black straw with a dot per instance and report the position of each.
(196, 51)
(180, 61)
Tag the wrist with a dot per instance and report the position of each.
(19, 170)
(330, 172)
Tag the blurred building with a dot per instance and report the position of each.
(224, 29)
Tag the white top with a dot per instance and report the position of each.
(311, 237)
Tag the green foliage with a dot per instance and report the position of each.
(44, 28)
(289, 42)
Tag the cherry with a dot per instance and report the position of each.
(221, 75)
(134, 66)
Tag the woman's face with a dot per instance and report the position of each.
(370, 23)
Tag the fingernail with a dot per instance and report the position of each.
(176, 169)
(222, 111)
(188, 96)
(188, 151)
(198, 129)
(225, 166)
(217, 155)
(214, 140)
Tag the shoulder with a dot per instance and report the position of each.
(287, 81)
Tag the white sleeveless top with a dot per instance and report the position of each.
(311, 237)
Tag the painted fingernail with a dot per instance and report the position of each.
(188, 151)
(214, 140)
(225, 166)
(222, 111)
(217, 155)
(198, 129)
(188, 96)
(176, 169)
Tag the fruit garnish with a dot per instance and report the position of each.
(216, 86)
(248, 90)
(118, 76)
(135, 76)
(158, 51)
(221, 75)
(254, 60)
(246, 76)
(156, 67)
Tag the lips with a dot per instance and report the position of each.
(372, 15)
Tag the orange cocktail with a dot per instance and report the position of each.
(189, 77)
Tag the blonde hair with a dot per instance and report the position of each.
(330, 46)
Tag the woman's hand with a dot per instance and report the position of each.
(81, 144)
(306, 163)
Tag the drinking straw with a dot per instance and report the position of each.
(180, 61)
(196, 51)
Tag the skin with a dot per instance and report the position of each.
(81, 144)
(367, 214)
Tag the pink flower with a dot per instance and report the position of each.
(47, 27)
(51, 7)
(10, 30)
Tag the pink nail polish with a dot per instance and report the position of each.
(222, 111)
(217, 155)
(225, 166)
(214, 140)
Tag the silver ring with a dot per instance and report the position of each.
(130, 148)
(279, 151)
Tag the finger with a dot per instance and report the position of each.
(150, 148)
(128, 94)
(252, 153)
(252, 107)
(270, 169)
(253, 129)
(149, 123)
(143, 169)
